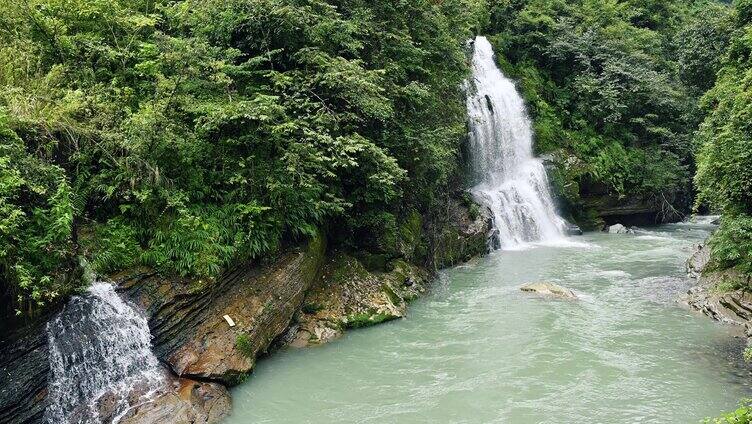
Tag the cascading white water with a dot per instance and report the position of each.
(101, 361)
(510, 180)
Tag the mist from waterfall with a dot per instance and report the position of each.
(101, 363)
(509, 179)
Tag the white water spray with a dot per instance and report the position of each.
(101, 361)
(511, 181)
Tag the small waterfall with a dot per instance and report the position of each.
(509, 179)
(100, 359)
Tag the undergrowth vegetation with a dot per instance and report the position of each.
(743, 415)
(724, 161)
(184, 135)
(612, 87)
(187, 135)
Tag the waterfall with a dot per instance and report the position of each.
(101, 361)
(510, 180)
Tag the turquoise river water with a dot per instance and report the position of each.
(478, 350)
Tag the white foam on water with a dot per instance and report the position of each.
(100, 354)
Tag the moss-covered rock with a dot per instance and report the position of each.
(466, 232)
(411, 244)
(350, 296)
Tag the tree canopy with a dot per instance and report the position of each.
(184, 135)
(188, 135)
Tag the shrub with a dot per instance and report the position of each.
(732, 244)
(743, 415)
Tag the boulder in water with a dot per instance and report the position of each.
(549, 289)
(619, 229)
(573, 230)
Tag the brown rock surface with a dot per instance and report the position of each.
(188, 401)
(186, 317)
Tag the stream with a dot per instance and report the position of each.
(478, 350)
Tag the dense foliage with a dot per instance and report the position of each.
(612, 87)
(187, 135)
(743, 415)
(724, 176)
(183, 135)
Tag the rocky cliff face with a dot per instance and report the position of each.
(592, 205)
(187, 321)
(24, 368)
(190, 336)
(467, 231)
(349, 296)
(711, 295)
(303, 297)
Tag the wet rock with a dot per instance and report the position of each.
(619, 229)
(24, 369)
(350, 296)
(188, 402)
(186, 317)
(727, 306)
(466, 232)
(631, 210)
(572, 230)
(549, 289)
(698, 260)
(716, 294)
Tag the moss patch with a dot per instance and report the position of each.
(244, 345)
(367, 319)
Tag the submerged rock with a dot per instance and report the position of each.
(619, 229)
(549, 289)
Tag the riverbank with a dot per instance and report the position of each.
(477, 349)
(306, 296)
(715, 293)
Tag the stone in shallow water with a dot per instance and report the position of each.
(620, 229)
(572, 230)
(549, 289)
